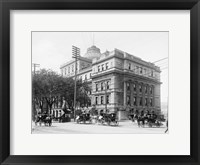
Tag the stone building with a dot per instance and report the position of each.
(119, 81)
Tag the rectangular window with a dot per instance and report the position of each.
(140, 101)
(72, 68)
(137, 69)
(102, 86)
(134, 87)
(152, 73)
(140, 88)
(150, 90)
(134, 100)
(96, 100)
(128, 100)
(90, 75)
(145, 89)
(96, 87)
(140, 70)
(129, 66)
(128, 86)
(86, 77)
(69, 69)
(107, 99)
(145, 102)
(107, 65)
(108, 84)
(102, 67)
(145, 71)
(151, 102)
(98, 68)
(101, 99)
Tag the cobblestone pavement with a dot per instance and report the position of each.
(124, 127)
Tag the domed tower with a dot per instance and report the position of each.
(92, 52)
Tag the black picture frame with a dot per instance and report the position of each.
(7, 5)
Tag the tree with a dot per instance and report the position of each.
(83, 93)
(48, 86)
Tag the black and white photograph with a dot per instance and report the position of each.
(99, 82)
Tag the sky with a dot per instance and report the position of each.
(52, 49)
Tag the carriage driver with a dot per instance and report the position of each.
(147, 114)
(153, 116)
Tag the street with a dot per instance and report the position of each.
(124, 127)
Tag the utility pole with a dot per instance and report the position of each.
(76, 55)
(34, 67)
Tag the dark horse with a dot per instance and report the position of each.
(152, 120)
(140, 118)
(43, 118)
(149, 119)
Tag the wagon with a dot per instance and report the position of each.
(83, 118)
(43, 118)
(108, 119)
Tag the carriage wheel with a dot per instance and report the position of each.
(138, 123)
(102, 122)
(158, 124)
(143, 124)
(150, 124)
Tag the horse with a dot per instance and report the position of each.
(141, 120)
(43, 118)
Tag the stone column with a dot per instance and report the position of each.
(131, 94)
(125, 94)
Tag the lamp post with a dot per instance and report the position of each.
(76, 55)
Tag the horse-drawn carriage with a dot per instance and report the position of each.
(108, 118)
(43, 118)
(83, 118)
(148, 119)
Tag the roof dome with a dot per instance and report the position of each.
(92, 52)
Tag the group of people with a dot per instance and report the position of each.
(143, 116)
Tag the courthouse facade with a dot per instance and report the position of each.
(119, 81)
